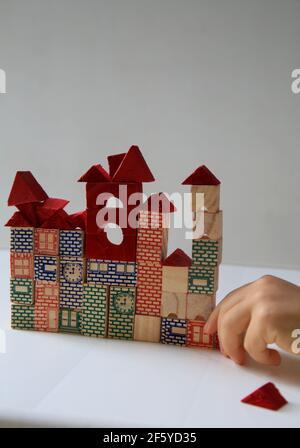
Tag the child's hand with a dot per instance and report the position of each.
(264, 312)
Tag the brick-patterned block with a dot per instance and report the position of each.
(94, 310)
(46, 241)
(22, 239)
(202, 280)
(121, 312)
(46, 306)
(196, 336)
(149, 246)
(173, 331)
(71, 243)
(111, 272)
(21, 265)
(71, 282)
(46, 268)
(205, 253)
(22, 290)
(69, 320)
(149, 290)
(22, 316)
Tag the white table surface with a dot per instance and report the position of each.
(66, 380)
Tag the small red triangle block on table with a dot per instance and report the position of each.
(267, 396)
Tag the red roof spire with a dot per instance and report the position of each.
(114, 162)
(18, 220)
(178, 258)
(201, 176)
(133, 168)
(26, 189)
(95, 174)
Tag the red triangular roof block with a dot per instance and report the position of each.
(133, 168)
(79, 219)
(49, 208)
(158, 203)
(60, 220)
(178, 258)
(114, 162)
(18, 220)
(267, 396)
(29, 211)
(26, 189)
(201, 176)
(95, 174)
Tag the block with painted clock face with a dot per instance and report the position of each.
(123, 300)
(72, 270)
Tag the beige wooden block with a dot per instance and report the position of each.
(173, 305)
(199, 306)
(147, 328)
(165, 237)
(175, 279)
(208, 224)
(211, 202)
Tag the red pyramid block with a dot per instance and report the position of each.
(18, 220)
(201, 176)
(114, 162)
(267, 396)
(158, 203)
(178, 258)
(79, 219)
(26, 189)
(133, 168)
(49, 208)
(95, 174)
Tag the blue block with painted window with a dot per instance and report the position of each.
(109, 272)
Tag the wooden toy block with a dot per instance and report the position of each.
(147, 328)
(51, 207)
(46, 306)
(149, 289)
(208, 225)
(133, 167)
(21, 265)
(71, 243)
(94, 310)
(201, 176)
(22, 290)
(18, 220)
(111, 272)
(203, 280)
(98, 246)
(114, 162)
(199, 306)
(25, 190)
(175, 279)
(206, 253)
(22, 316)
(173, 305)
(173, 331)
(46, 268)
(72, 277)
(95, 174)
(196, 336)
(121, 312)
(95, 193)
(21, 239)
(46, 242)
(69, 320)
(211, 200)
(266, 396)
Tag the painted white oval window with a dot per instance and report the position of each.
(114, 233)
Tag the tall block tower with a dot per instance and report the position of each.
(206, 253)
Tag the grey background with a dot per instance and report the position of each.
(190, 81)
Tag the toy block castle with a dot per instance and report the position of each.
(68, 275)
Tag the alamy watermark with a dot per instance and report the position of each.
(2, 81)
(296, 343)
(295, 86)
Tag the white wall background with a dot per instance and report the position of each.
(190, 81)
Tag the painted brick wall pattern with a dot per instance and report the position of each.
(111, 272)
(121, 312)
(22, 316)
(94, 310)
(173, 331)
(22, 290)
(46, 300)
(21, 239)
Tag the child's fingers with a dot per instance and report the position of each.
(231, 328)
(257, 347)
(228, 302)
